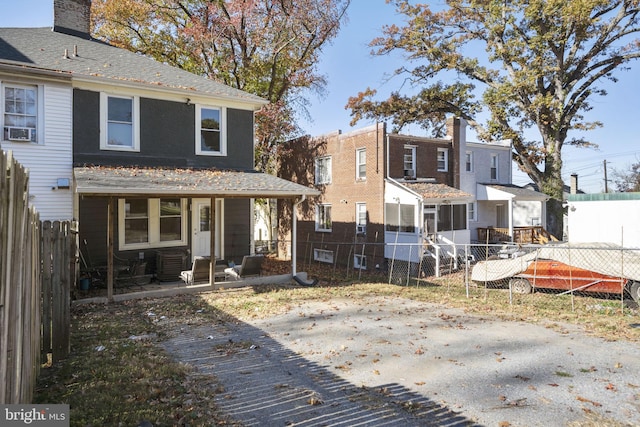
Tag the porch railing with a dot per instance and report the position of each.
(524, 234)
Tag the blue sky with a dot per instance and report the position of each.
(349, 69)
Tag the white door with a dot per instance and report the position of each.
(200, 227)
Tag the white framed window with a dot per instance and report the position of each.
(361, 218)
(361, 164)
(409, 161)
(360, 261)
(119, 122)
(468, 161)
(471, 211)
(399, 218)
(323, 255)
(323, 217)
(494, 167)
(22, 113)
(152, 223)
(443, 160)
(211, 133)
(323, 170)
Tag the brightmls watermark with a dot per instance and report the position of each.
(34, 415)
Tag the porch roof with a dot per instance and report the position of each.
(138, 181)
(508, 191)
(435, 192)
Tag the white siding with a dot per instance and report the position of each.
(609, 221)
(53, 158)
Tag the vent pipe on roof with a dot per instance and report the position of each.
(72, 17)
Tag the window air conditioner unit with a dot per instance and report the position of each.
(409, 174)
(19, 134)
(361, 229)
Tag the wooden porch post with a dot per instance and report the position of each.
(212, 243)
(110, 233)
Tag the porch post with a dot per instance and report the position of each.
(510, 213)
(212, 242)
(294, 232)
(110, 234)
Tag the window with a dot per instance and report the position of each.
(323, 170)
(361, 218)
(409, 162)
(399, 217)
(361, 164)
(471, 211)
(150, 223)
(119, 124)
(360, 261)
(443, 160)
(210, 131)
(21, 113)
(494, 167)
(170, 220)
(452, 217)
(323, 255)
(468, 161)
(323, 218)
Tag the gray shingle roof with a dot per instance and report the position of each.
(96, 60)
(435, 191)
(119, 181)
(519, 192)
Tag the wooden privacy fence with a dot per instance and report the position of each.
(37, 266)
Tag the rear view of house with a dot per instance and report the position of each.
(155, 163)
(391, 196)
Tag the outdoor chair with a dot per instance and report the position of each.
(199, 271)
(251, 266)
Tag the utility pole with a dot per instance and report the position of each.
(606, 181)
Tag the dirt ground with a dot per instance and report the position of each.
(388, 361)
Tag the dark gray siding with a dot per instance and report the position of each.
(167, 136)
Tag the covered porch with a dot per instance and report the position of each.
(507, 212)
(118, 189)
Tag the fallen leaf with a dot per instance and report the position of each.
(584, 399)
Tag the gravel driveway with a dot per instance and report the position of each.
(385, 361)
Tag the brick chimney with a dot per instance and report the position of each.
(574, 183)
(72, 17)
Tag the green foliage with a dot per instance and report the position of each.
(537, 65)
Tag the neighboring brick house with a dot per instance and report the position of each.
(378, 187)
(155, 158)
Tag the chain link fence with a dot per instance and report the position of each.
(593, 274)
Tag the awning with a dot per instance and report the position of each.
(137, 181)
(508, 192)
(432, 192)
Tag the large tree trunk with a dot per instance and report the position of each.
(553, 186)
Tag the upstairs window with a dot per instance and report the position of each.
(119, 124)
(20, 113)
(443, 160)
(210, 132)
(409, 161)
(494, 167)
(468, 161)
(323, 170)
(361, 164)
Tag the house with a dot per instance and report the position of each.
(424, 195)
(36, 127)
(159, 161)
